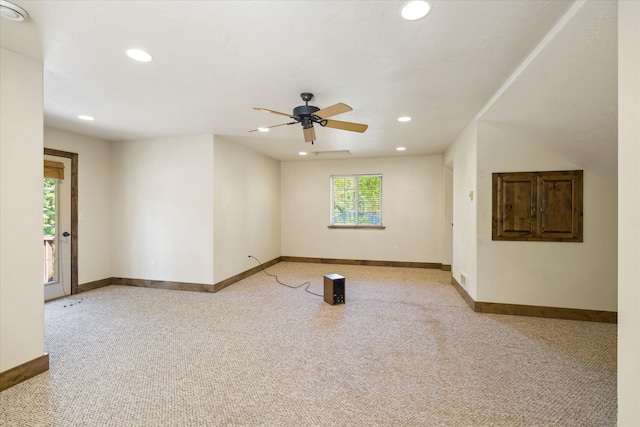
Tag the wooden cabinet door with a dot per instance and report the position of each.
(542, 206)
(560, 206)
(514, 215)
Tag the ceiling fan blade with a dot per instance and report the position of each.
(274, 126)
(333, 110)
(353, 127)
(309, 134)
(266, 110)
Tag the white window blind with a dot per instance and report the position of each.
(356, 200)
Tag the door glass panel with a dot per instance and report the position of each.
(50, 193)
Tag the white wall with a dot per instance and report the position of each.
(462, 154)
(556, 274)
(21, 256)
(411, 210)
(94, 200)
(447, 214)
(162, 209)
(246, 208)
(628, 219)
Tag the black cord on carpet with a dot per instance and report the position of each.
(284, 284)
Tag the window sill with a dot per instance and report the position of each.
(365, 227)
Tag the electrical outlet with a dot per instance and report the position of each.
(463, 280)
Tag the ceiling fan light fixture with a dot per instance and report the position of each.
(12, 12)
(263, 129)
(139, 55)
(302, 153)
(404, 119)
(415, 9)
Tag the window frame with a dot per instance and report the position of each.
(357, 205)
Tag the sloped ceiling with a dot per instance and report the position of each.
(215, 60)
(566, 95)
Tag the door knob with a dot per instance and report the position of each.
(66, 234)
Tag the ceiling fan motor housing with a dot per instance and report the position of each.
(305, 112)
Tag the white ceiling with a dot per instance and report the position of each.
(215, 60)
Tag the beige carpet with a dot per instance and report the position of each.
(404, 350)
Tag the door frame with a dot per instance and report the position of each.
(74, 212)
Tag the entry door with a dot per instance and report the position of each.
(57, 232)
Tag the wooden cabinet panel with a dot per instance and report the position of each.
(515, 196)
(544, 206)
(560, 202)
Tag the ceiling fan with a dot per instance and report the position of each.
(307, 115)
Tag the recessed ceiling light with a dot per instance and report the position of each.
(401, 148)
(87, 118)
(139, 55)
(404, 119)
(302, 153)
(11, 11)
(415, 9)
(263, 129)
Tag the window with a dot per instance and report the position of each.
(356, 201)
(538, 206)
(50, 192)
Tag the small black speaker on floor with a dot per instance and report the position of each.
(334, 289)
